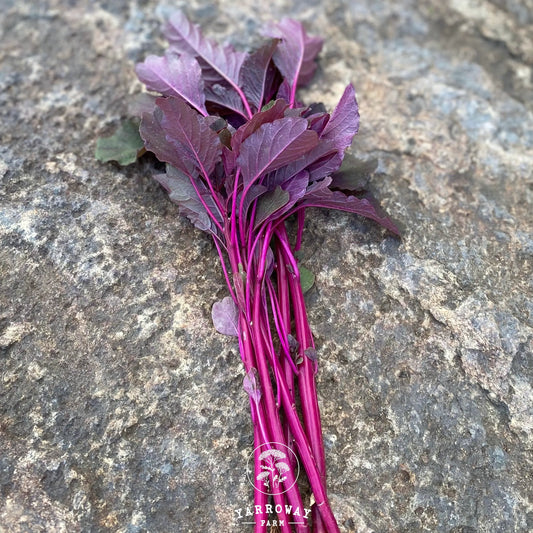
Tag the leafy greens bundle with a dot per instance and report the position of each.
(243, 155)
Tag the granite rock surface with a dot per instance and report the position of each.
(122, 410)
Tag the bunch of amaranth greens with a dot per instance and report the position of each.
(243, 155)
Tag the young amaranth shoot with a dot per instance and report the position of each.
(243, 155)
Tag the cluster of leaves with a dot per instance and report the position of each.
(222, 108)
(243, 155)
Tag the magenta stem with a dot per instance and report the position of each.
(260, 498)
(264, 413)
(224, 269)
(281, 330)
(307, 386)
(273, 421)
(205, 206)
(301, 220)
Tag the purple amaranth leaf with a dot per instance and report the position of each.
(317, 108)
(182, 192)
(258, 75)
(226, 317)
(269, 263)
(269, 203)
(220, 65)
(274, 145)
(322, 196)
(325, 166)
(278, 201)
(223, 96)
(296, 186)
(190, 134)
(192, 147)
(251, 385)
(141, 103)
(155, 141)
(274, 112)
(353, 174)
(294, 345)
(344, 121)
(255, 192)
(186, 37)
(229, 159)
(311, 354)
(320, 153)
(174, 75)
(336, 134)
(284, 91)
(296, 53)
(318, 122)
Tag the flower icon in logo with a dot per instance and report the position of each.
(273, 467)
(273, 460)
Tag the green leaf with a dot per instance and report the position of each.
(266, 107)
(307, 278)
(123, 147)
(268, 203)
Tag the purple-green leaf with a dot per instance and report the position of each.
(296, 187)
(269, 203)
(254, 193)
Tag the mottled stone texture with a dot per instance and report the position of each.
(122, 410)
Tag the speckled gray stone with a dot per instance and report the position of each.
(122, 410)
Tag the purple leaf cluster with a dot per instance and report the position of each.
(243, 155)
(265, 143)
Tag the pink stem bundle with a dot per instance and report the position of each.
(243, 155)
